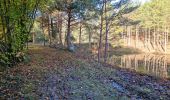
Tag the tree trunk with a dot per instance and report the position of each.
(52, 30)
(42, 26)
(129, 35)
(165, 41)
(124, 35)
(167, 37)
(80, 34)
(90, 36)
(44, 38)
(106, 38)
(70, 46)
(149, 39)
(33, 37)
(154, 36)
(137, 35)
(49, 33)
(145, 38)
(3, 28)
(60, 29)
(157, 39)
(7, 24)
(101, 32)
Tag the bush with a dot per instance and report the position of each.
(10, 59)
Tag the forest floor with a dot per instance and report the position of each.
(54, 74)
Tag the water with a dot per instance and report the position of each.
(155, 65)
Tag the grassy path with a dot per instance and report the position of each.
(59, 75)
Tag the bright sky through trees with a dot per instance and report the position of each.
(141, 1)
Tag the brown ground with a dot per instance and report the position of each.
(58, 74)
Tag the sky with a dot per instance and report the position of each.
(142, 1)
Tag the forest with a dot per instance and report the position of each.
(84, 49)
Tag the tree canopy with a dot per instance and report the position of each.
(153, 13)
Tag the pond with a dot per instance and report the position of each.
(151, 64)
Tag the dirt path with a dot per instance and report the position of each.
(59, 75)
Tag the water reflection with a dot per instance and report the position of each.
(156, 65)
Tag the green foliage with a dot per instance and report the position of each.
(154, 13)
(9, 59)
(79, 8)
(16, 20)
(4, 60)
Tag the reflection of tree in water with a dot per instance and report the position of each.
(152, 64)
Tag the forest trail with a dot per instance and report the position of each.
(58, 74)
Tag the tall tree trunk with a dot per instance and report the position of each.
(167, 37)
(7, 21)
(44, 38)
(90, 37)
(106, 38)
(42, 26)
(60, 28)
(3, 28)
(154, 37)
(149, 39)
(70, 46)
(101, 32)
(80, 34)
(49, 31)
(165, 41)
(33, 37)
(145, 38)
(137, 35)
(129, 35)
(157, 39)
(52, 30)
(124, 35)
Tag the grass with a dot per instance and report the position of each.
(91, 82)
